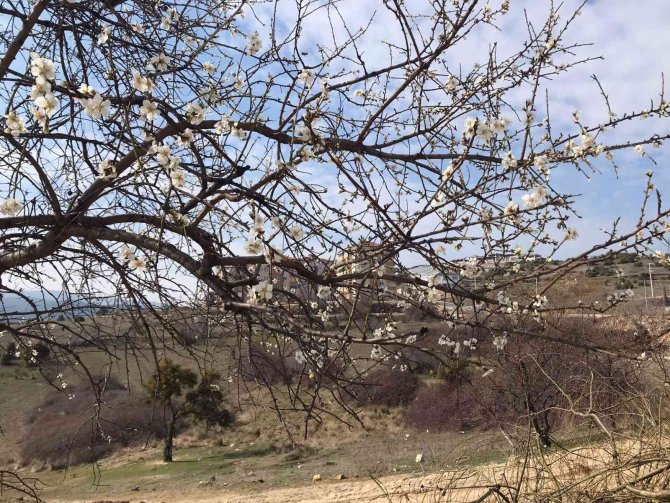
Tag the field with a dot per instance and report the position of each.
(253, 456)
(257, 459)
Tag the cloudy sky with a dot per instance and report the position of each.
(634, 43)
(633, 39)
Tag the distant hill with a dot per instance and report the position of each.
(48, 304)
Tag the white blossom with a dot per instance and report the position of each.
(300, 357)
(107, 170)
(95, 107)
(469, 127)
(296, 233)
(222, 126)
(41, 68)
(195, 113)
(571, 235)
(158, 63)
(238, 82)
(324, 292)
(104, 34)
(142, 84)
(325, 94)
(511, 209)
(14, 124)
(163, 154)
(499, 125)
(39, 90)
(10, 207)
(44, 99)
(376, 352)
(540, 161)
(166, 23)
(500, 341)
(177, 178)
(148, 110)
(509, 161)
(451, 84)
(84, 88)
(448, 172)
(306, 76)
(261, 291)
(238, 132)
(253, 246)
(137, 264)
(126, 254)
(185, 138)
(503, 298)
(209, 68)
(254, 44)
(535, 198)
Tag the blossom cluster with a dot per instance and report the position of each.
(260, 292)
(135, 263)
(10, 207)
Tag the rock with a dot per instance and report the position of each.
(340, 476)
(419, 458)
(316, 478)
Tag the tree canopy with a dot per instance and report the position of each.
(179, 159)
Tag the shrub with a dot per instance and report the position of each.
(37, 355)
(532, 377)
(9, 356)
(63, 432)
(417, 361)
(270, 367)
(387, 387)
(413, 313)
(205, 402)
(448, 406)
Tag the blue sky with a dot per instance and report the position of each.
(633, 40)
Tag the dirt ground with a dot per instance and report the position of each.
(427, 488)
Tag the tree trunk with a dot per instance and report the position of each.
(167, 447)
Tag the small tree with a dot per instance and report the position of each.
(166, 385)
(36, 355)
(10, 355)
(203, 403)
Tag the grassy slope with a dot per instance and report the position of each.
(252, 467)
(254, 455)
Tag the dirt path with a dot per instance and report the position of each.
(392, 488)
(552, 473)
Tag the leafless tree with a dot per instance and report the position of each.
(189, 176)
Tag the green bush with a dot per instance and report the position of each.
(387, 387)
(37, 355)
(9, 356)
